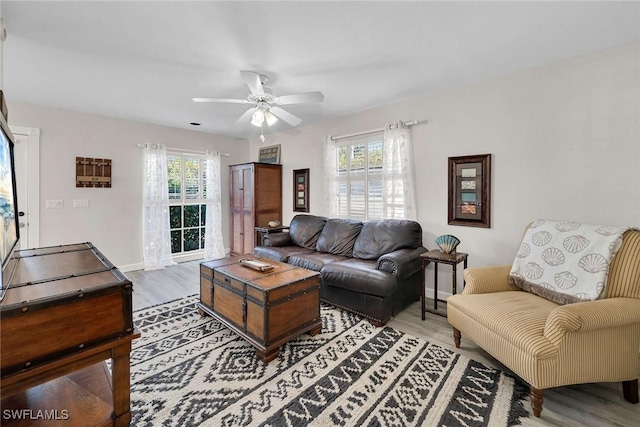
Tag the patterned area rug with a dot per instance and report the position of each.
(188, 371)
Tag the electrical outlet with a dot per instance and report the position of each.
(54, 204)
(80, 203)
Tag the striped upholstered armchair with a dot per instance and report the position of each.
(550, 345)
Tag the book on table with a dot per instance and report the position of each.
(257, 265)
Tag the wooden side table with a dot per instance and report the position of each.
(437, 257)
(261, 231)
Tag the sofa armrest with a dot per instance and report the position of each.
(591, 316)
(277, 239)
(401, 263)
(485, 280)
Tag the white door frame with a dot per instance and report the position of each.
(33, 181)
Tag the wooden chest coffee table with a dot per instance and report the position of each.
(265, 308)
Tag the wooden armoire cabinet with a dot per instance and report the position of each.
(256, 199)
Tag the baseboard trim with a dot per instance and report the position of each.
(193, 256)
(131, 267)
(441, 295)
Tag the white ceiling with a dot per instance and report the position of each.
(145, 60)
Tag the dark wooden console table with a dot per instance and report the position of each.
(437, 257)
(262, 231)
(66, 311)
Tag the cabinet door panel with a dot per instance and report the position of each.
(269, 194)
(237, 232)
(248, 233)
(237, 194)
(247, 184)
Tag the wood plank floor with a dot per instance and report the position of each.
(579, 405)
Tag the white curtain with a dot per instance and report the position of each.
(213, 244)
(155, 228)
(398, 190)
(330, 178)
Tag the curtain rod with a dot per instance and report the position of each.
(366, 132)
(182, 150)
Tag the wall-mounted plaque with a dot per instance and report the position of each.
(269, 154)
(470, 190)
(301, 190)
(93, 173)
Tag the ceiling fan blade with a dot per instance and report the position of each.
(300, 98)
(253, 81)
(233, 101)
(244, 119)
(286, 116)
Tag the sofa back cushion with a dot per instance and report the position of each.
(304, 230)
(338, 236)
(382, 236)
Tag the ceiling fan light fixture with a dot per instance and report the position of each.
(258, 117)
(270, 118)
(265, 104)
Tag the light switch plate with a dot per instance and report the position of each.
(80, 203)
(54, 204)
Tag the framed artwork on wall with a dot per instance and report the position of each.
(93, 173)
(269, 154)
(301, 190)
(470, 190)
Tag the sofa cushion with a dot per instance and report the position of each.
(281, 254)
(380, 237)
(314, 260)
(359, 275)
(338, 236)
(304, 230)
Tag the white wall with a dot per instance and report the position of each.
(564, 140)
(113, 221)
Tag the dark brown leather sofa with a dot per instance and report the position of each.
(370, 268)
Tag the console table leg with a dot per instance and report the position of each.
(121, 381)
(454, 284)
(435, 285)
(422, 293)
(464, 283)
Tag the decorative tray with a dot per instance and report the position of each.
(257, 265)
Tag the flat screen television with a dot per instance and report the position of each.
(9, 229)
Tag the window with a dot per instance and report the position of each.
(187, 208)
(359, 178)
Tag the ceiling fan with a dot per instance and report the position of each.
(266, 105)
